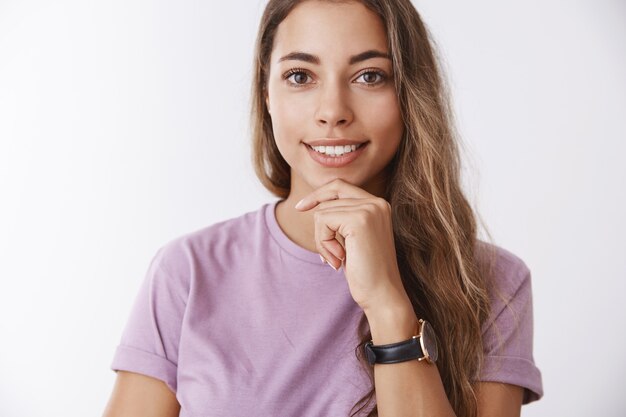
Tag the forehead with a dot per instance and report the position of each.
(329, 30)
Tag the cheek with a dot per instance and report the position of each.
(383, 118)
(287, 128)
(287, 125)
(287, 112)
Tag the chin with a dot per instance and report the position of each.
(350, 179)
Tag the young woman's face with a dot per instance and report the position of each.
(333, 98)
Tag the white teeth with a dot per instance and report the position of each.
(336, 150)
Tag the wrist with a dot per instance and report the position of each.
(392, 323)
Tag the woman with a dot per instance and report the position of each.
(352, 130)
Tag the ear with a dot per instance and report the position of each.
(267, 102)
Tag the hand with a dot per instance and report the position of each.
(353, 228)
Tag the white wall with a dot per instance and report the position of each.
(124, 124)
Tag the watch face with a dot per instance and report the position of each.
(429, 341)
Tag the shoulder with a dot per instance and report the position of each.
(510, 292)
(508, 284)
(215, 241)
(508, 331)
(507, 273)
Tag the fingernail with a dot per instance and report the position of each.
(331, 265)
(299, 204)
(323, 260)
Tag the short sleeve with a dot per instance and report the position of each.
(150, 339)
(508, 334)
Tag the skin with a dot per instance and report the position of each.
(343, 215)
(335, 101)
(141, 395)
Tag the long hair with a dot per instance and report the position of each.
(435, 228)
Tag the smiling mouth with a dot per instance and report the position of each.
(336, 151)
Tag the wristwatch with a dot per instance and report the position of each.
(423, 346)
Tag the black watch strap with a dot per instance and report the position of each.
(394, 352)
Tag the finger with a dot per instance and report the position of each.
(334, 190)
(342, 242)
(331, 260)
(327, 235)
(345, 203)
(335, 247)
(329, 250)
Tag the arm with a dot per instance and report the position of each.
(498, 399)
(411, 388)
(140, 395)
(146, 358)
(414, 388)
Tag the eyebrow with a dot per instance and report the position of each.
(314, 59)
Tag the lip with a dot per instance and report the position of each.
(335, 161)
(334, 142)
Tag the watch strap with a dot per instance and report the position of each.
(394, 352)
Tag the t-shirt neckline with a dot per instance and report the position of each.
(283, 240)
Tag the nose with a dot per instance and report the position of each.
(333, 107)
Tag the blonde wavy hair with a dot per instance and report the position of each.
(435, 228)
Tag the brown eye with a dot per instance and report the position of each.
(370, 77)
(298, 75)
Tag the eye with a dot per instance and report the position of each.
(371, 73)
(300, 74)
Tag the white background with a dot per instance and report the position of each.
(123, 124)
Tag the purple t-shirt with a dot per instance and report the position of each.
(238, 320)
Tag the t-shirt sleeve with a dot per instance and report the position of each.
(150, 339)
(508, 334)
